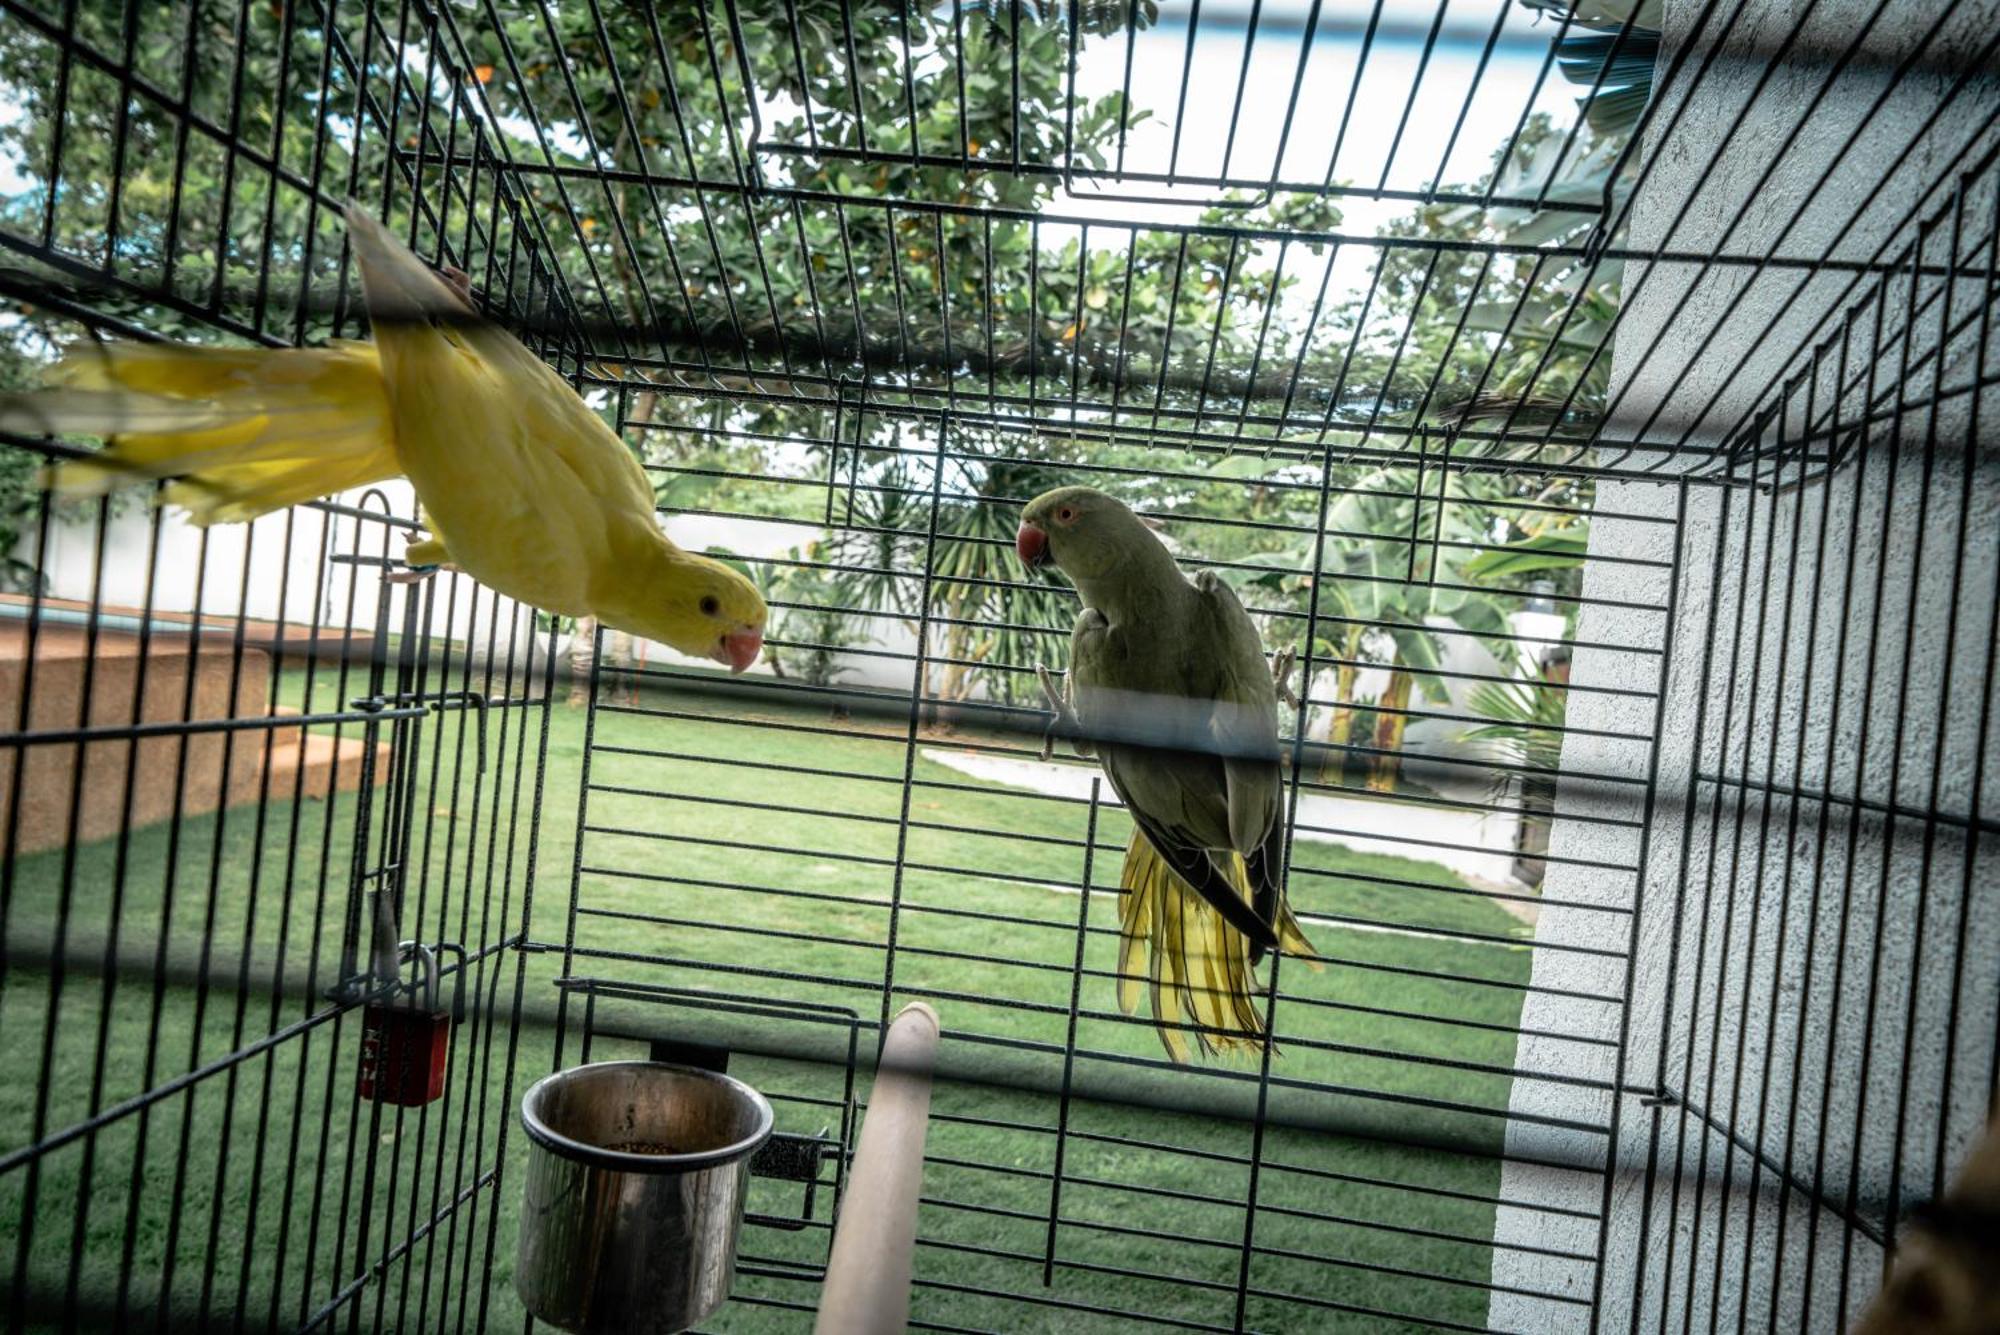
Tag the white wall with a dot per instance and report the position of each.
(292, 584)
(278, 588)
(1736, 937)
(290, 576)
(1570, 884)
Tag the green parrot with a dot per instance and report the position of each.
(1169, 689)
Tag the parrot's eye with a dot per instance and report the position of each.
(1066, 515)
(709, 606)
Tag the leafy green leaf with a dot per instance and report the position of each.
(1560, 549)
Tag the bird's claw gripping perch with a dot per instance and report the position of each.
(459, 281)
(1061, 717)
(1281, 673)
(416, 572)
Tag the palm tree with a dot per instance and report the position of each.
(1375, 604)
(991, 621)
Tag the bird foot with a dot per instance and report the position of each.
(422, 568)
(1281, 672)
(459, 281)
(1061, 716)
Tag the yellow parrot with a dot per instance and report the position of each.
(522, 485)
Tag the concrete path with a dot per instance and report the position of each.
(1475, 844)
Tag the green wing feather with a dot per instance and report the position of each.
(1201, 898)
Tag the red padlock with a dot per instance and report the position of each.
(406, 1044)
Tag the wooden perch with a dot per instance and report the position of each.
(867, 1290)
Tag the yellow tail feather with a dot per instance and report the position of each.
(243, 431)
(1199, 973)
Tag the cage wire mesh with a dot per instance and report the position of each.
(1597, 398)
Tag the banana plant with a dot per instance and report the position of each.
(1613, 56)
(1525, 731)
(1555, 316)
(1376, 602)
(1539, 553)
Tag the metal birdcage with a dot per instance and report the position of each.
(1598, 397)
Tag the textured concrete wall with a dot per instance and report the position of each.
(1548, 1208)
(1832, 635)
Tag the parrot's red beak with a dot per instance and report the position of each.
(1033, 545)
(739, 649)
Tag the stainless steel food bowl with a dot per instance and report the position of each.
(636, 1179)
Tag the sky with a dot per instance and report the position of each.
(1392, 67)
(1218, 71)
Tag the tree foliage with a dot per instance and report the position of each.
(851, 241)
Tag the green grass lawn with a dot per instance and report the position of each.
(787, 899)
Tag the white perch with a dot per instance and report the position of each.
(867, 1290)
